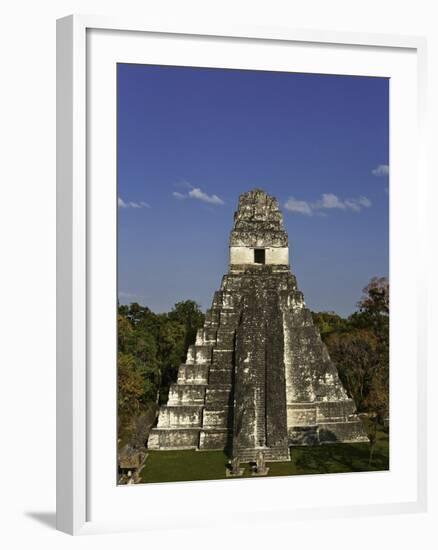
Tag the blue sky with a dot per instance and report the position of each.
(191, 140)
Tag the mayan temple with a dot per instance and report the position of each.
(258, 378)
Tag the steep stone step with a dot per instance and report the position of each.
(335, 411)
(229, 318)
(222, 358)
(218, 394)
(186, 394)
(173, 439)
(223, 299)
(193, 374)
(206, 336)
(219, 376)
(225, 338)
(181, 416)
(301, 415)
(212, 317)
(211, 439)
(215, 416)
(199, 355)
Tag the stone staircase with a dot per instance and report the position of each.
(201, 399)
(270, 454)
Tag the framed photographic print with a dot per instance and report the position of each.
(240, 275)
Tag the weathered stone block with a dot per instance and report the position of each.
(304, 415)
(346, 432)
(215, 416)
(335, 411)
(199, 355)
(218, 394)
(180, 416)
(210, 335)
(220, 376)
(211, 439)
(223, 358)
(229, 319)
(186, 395)
(225, 339)
(193, 374)
(160, 439)
(154, 439)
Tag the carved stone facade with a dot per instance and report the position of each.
(259, 378)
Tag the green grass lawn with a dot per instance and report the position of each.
(324, 459)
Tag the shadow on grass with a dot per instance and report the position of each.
(340, 458)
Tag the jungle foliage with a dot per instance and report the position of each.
(150, 349)
(359, 345)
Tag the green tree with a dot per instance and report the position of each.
(191, 317)
(149, 365)
(373, 311)
(130, 386)
(356, 356)
(375, 299)
(171, 352)
(359, 346)
(329, 322)
(126, 334)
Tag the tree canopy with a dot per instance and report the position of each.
(150, 349)
(359, 346)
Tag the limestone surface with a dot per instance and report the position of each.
(258, 379)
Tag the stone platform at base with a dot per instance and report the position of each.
(229, 473)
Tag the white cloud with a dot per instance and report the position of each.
(328, 201)
(357, 204)
(364, 201)
(178, 195)
(131, 204)
(352, 204)
(294, 205)
(198, 194)
(380, 170)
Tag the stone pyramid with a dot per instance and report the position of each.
(258, 378)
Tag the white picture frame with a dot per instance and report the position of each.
(75, 284)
